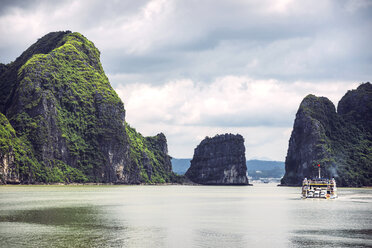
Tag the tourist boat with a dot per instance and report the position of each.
(319, 188)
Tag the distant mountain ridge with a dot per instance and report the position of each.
(180, 165)
(256, 168)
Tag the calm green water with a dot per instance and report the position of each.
(181, 216)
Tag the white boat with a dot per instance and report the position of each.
(319, 188)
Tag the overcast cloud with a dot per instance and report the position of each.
(197, 68)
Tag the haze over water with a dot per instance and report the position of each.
(181, 216)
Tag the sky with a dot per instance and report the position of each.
(192, 69)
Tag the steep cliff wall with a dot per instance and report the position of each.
(59, 101)
(219, 160)
(149, 155)
(340, 142)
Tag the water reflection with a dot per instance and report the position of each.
(54, 227)
(69, 217)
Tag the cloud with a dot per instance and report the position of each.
(187, 111)
(196, 68)
(162, 40)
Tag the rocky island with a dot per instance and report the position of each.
(341, 142)
(62, 122)
(219, 161)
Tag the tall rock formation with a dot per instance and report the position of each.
(341, 142)
(70, 121)
(219, 161)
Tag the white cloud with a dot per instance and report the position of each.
(261, 110)
(197, 68)
(17, 24)
(144, 29)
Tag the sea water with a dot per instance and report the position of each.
(182, 216)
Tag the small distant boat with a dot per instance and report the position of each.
(319, 188)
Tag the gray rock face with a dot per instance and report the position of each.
(309, 142)
(339, 141)
(8, 170)
(68, 120)
(355, 107)
(219, 161)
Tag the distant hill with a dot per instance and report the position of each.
(256, 168)
(265, 169)
(180, 165)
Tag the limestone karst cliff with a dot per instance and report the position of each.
(341, 142)
(69, 121)
(219, 161)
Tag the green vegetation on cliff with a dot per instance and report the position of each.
(22, 166)
(340, 141)
(150, 154)
(355, 110)
(56, 107)
(71, 122)
(8, 138)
